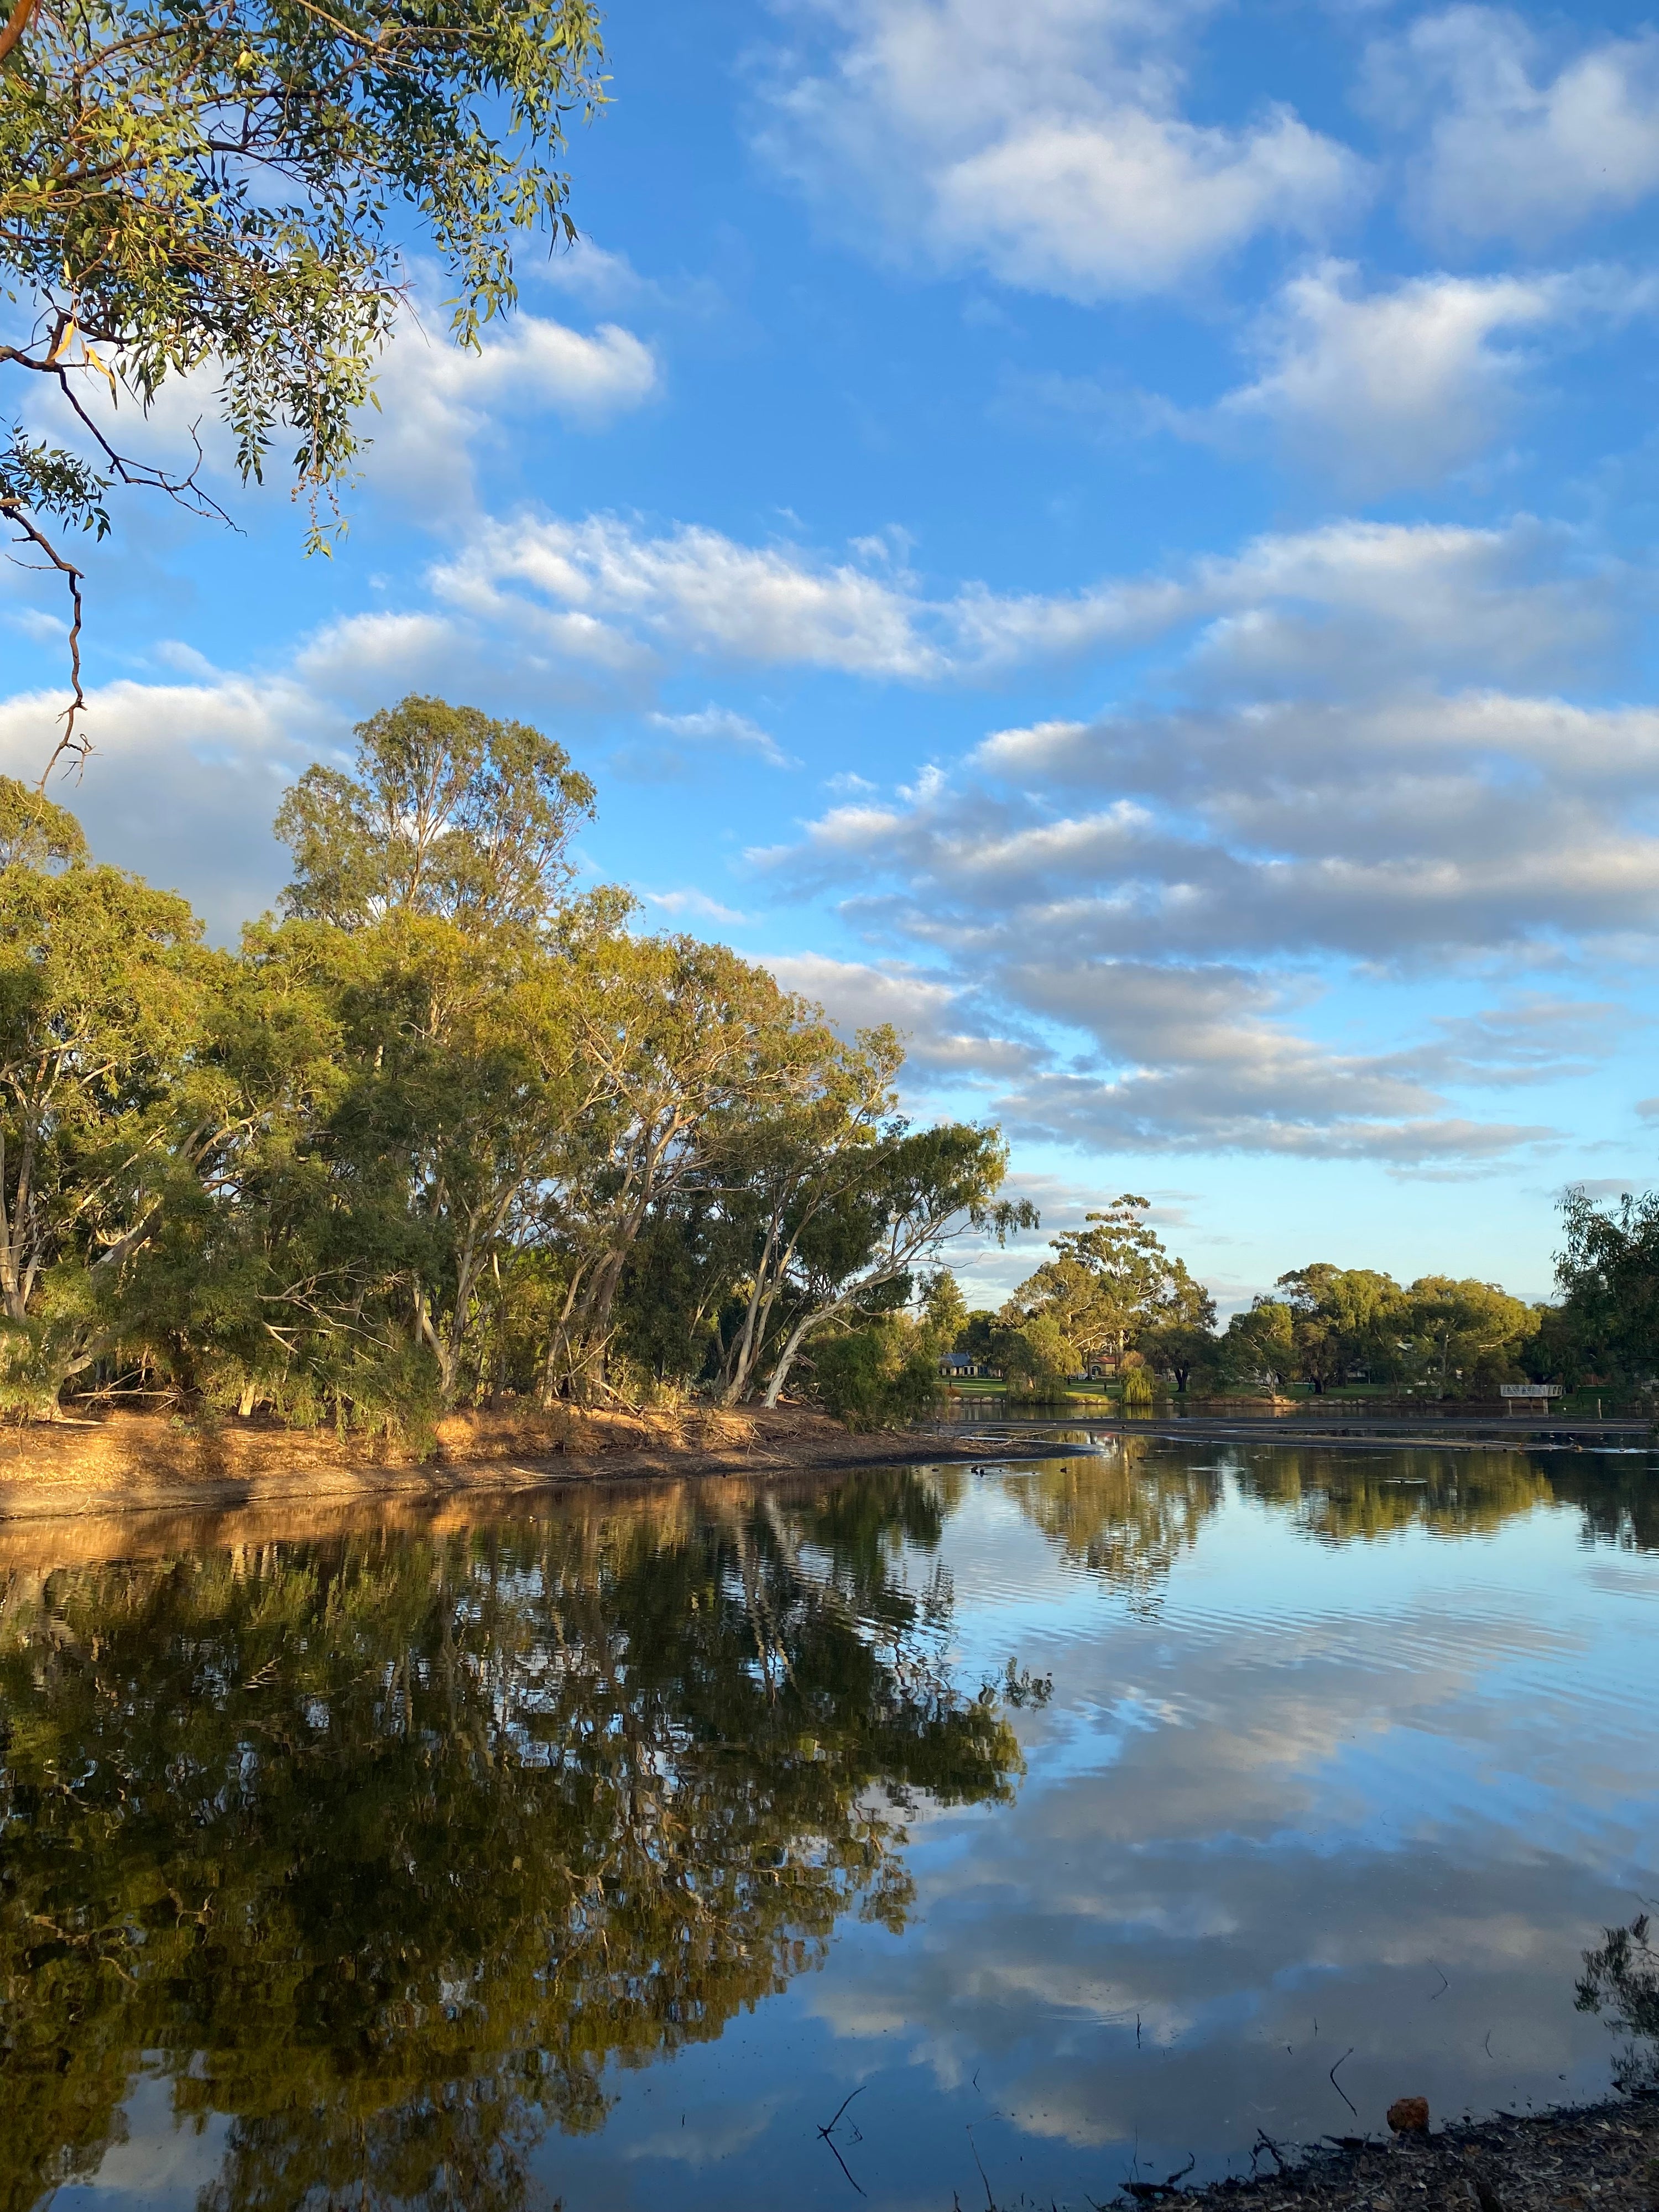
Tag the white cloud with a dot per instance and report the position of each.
(943, 1040)
(609, 593)
(1181, 1058)
(1396, 387)
(1513, 150)
(365, 656)
(1046, 145)
(438, 400)
(603, 591)
(185, 779)
(1143, 901)
(721, 727)
(695, 904)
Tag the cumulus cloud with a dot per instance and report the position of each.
(610, 593)
(944, 1039)
(603, 590)
(186, 780)
(440, 401)
(1184, 1058)
(693, 906)
(1047, 146)
(1146, 900)
(1104, 929)
(1515, 148)
(1395, 387)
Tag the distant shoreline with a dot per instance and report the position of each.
(1305, 1425)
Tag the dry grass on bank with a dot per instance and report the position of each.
(130, 1461)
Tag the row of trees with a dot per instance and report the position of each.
(1113, 1293)
(444, 1129)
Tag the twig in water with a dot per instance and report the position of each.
(1338, 2086)
(826, 2134)
(840, 2108)
(1445, 1984)
(840, 2162)
(1265, 2141)
(990, 2201)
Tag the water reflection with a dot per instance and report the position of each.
(402, 1858)
(386, 1847)
(1621, 1979)
(1338, 1497)
(1133, 1505)
(1126, 1515)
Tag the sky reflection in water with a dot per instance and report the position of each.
(597, 1853)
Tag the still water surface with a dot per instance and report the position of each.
(1083, 1818)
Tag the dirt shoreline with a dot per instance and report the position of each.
(1567, 2160)
(128, 1463)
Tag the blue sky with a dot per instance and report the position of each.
(1117, 537)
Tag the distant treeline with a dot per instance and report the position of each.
(1112, 1296)
(445, 1129)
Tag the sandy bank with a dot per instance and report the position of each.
(146, 1462)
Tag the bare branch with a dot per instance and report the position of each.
(29, 533)
(140, 474)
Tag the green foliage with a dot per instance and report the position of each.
(1138, 1394)
(881, 1377)
(49, 481)
(449, 814)
(445, 1131)
(1329, 1326)
(225, 187)
(1607, 1274)
(1183, 1350)
(33, 833)
(105, 1104)
(179, 186)
(1110, 1287)
(944, 1310)
(1260, 1343)
(1035, 1357)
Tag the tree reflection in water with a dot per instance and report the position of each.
(1339, 1497)
(386, 1844)
(1127, 1514)
(1132, 1506)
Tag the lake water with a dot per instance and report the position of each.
(1076, 1821)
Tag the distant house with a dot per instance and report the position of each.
(955, 1366)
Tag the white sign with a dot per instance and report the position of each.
(1529, 1389)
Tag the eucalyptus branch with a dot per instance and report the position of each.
(14, 26)
(70, 740)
